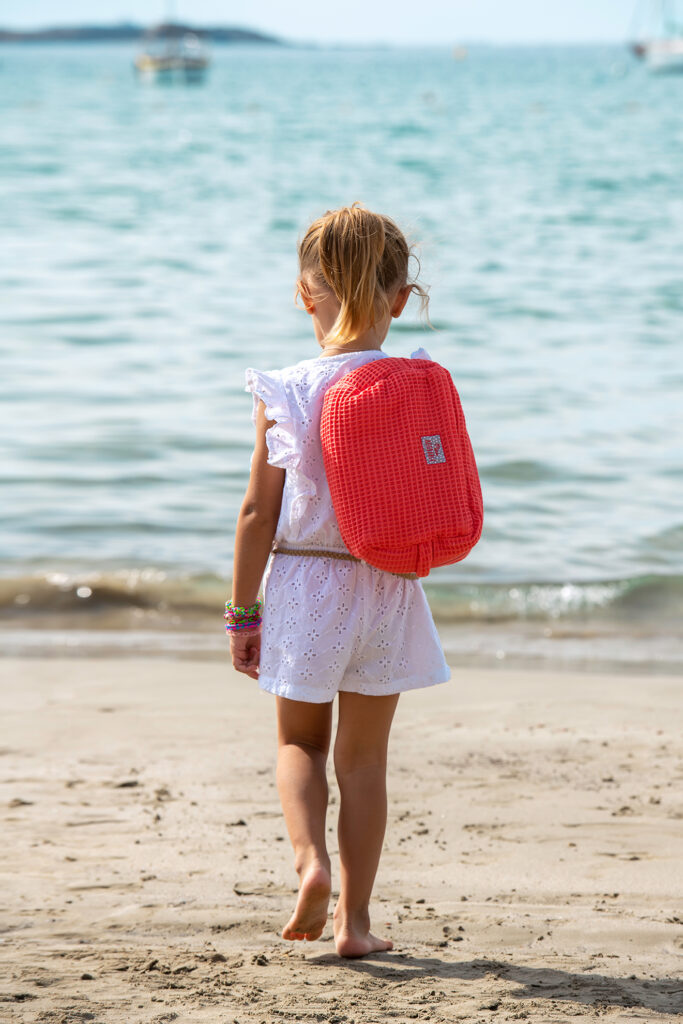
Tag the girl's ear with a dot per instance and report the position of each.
(304, 291)
(398, 305)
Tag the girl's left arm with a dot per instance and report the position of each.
(256, 525)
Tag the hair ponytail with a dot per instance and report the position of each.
(361, 256)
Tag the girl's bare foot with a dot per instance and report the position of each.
(353, 940)
(310, 914)
(360, 945)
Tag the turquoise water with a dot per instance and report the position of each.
(149, 238)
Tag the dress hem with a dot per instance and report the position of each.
(292, 692)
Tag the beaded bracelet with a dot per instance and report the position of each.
(241, 619)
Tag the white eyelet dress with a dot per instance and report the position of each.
(330, 625)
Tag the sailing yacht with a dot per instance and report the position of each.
(171, 49)
(662, 50)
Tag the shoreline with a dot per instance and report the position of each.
(629, 625)
(514, 646)
(530, 864)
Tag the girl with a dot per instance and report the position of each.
(331, 624)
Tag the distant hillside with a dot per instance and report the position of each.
(128, 32)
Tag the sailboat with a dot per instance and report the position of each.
(662, 50)
(171, 49)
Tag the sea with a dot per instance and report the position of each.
(148, 258)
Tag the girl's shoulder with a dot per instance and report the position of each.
(331, 365)
(325, 368)
(287, 389)
(315, 372)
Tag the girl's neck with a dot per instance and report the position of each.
(353, 346)
(370, 341)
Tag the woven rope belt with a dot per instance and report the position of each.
(339, 555)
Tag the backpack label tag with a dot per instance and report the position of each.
(433, 449)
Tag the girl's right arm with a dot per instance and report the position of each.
(256, 525)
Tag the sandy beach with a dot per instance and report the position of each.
(532, 866)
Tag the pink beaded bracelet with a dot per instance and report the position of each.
(239, 619)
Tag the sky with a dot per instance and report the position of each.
(361, 21)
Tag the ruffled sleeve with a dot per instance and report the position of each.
(421, 353)
(283, 439)
(268, 388)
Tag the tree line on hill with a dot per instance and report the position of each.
(128, 31)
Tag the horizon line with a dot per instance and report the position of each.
(293, 42)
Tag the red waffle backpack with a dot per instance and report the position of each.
(400, 466)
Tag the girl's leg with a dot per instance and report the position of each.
(303, 743)
(360, 759)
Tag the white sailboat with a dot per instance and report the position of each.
(170, 50)
(662, 47)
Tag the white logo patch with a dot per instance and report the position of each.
(433, 449)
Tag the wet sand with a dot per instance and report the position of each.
(532, 867)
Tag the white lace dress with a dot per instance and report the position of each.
(330, 625)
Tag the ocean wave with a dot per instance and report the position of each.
(646, 599)
(129, 595)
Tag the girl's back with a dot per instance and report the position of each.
(293, 398)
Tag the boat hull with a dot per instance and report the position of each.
(170, 66)
(664, 56)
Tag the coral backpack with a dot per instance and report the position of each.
(400, 466)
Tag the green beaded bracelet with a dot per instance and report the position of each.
(238, 617)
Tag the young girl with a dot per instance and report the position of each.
(332, 625)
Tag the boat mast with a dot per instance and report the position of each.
(670, 24)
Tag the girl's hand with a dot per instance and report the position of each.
(245, 651)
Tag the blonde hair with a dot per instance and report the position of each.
(362, 257)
